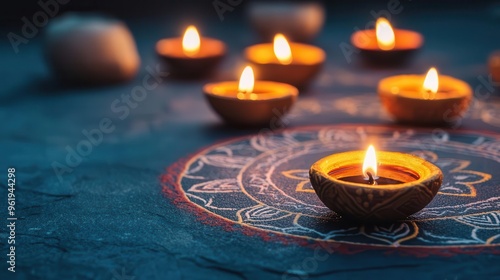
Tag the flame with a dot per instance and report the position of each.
(431, 82)
(246, 83)
(385, 34)
(282, 49)
(191, 41)
(370, 162)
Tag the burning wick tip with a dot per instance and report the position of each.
(371, 181)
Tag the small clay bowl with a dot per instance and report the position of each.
(407, 43)
(272, 101)
(180, 65)
(307, 62)
(375, 203)
(403, 99)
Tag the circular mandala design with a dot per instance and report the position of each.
(261, 182)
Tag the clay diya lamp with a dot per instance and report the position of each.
(425, 100)
(249, 102)
(385, 46)
(375, 187)
(191, 56)
(292, 63)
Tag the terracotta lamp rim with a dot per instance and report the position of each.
(405, 40)
(425, 170)
(308, 54)
(172, 47)
(266, 90)
(449, 87)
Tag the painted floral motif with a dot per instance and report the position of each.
(393, 234)
(483, 221)
(216, 186)
(225, 161)
(460, 182)
(303, 176)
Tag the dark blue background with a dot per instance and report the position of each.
(108, 216)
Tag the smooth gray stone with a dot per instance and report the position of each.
(90, 49)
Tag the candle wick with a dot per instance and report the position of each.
(428, 94)
(371, 181)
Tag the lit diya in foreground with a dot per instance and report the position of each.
(429, 99)
(385, 45)
(374, 187)
(191, 56)
(281, 61)
(249, 102)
